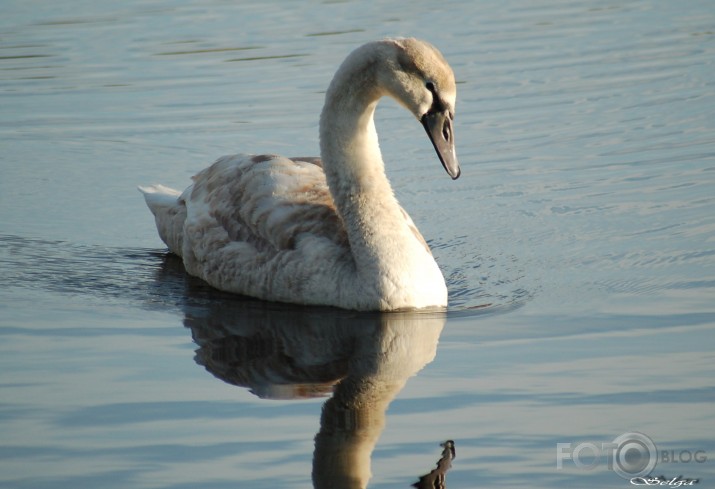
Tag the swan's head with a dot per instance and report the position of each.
(421, 80)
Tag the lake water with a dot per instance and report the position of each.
(579, 248)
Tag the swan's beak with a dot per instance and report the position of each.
(439, 129)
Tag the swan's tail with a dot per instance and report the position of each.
(169, 212)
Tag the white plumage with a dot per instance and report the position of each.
(324, 232)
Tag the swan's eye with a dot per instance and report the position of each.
(430, 86)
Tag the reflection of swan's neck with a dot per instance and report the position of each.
(351, 424)
(353, 419)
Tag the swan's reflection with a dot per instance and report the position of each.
(280, 351)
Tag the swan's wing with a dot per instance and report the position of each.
(265, 226)
(309, 159)
(266, 202)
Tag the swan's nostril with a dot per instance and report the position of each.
(446, 131)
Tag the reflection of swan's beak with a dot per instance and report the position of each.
(436, 478)
(449, 451)
(438, 125)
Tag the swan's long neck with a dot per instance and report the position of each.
(354, 167)
(393, 267)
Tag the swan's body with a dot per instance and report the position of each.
(330, 233)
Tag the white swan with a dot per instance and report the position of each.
(327, 232)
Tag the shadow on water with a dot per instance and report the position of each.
(362, 360)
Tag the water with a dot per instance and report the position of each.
(579, 246)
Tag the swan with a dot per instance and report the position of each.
(329, 230)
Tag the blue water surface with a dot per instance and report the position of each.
(578, 246)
